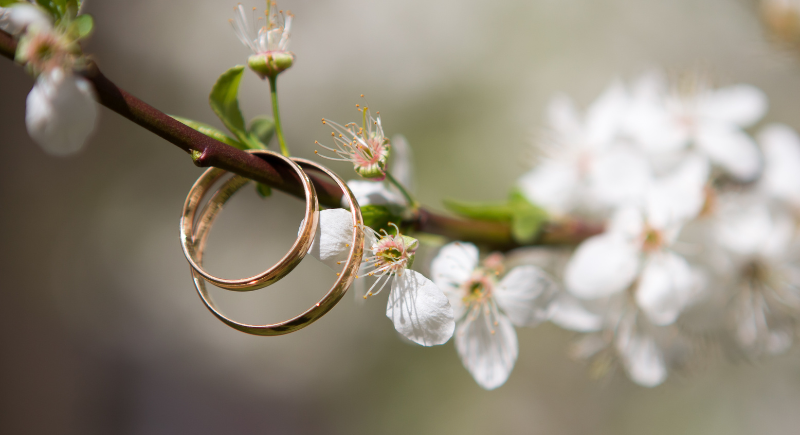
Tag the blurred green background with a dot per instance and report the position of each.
(100, 328)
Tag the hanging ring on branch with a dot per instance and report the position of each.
(289, 261)
(343, 282)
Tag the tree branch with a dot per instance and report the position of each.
(210, 152)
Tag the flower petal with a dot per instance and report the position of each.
(488, 351)
(619, 177)
(20, 16)
(403, 162)
(60, 112)
(373, 193)
(642, 358)
(601, 266)
(665, 288)
(781, 178)
(552, 186)
(525, 294)
(605, 115)
(742, 105)
(679, 196)
(451, 268)
(334, 235)
(730, 148)
(419, 310)
(568, 313)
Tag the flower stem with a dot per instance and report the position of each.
(276, 114)
(411, 201)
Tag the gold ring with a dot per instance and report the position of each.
(280, 269)
(343, 282)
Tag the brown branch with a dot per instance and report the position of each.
(210, 152)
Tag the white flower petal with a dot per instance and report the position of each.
(605, 115)
(568, 313)
(619, 177)
(781, 178)
(642, 358)
(488, 351)
(627, 222)
(742, 105)
(665, 288)
(454, 264)
(403, 162)
(743, 228)
(373, 193)
(525, 294)
(334, 236)
(730, 148)
(60, 112)
(601, 266)
(419, 310)
(17, 17)
(679, 196)
(552, 186)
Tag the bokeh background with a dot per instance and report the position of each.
(101, 331)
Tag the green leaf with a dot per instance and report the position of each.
(7, 3)
(211, 132)
(224, 102)
(262, 128)
(486, 211)
(263, 190)
(82, 26)
(526, 224)
(377, 217)
(527, 219)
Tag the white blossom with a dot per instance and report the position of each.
(60, 112)
(584, 166)
(664, 121)
(487, 309)
(416, 306)
(19, 17)
(635, 252)
(263, 38)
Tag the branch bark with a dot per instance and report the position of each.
(210, 152)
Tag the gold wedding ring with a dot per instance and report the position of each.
(280, 269)
(198, 237)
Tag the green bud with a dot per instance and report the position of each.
(270, 64)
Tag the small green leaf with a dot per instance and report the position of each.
(527, 219)
(525, 225)
(377, 217)
(262, 128)
(7, 3)
(480, 210)
(224, 102)
(211, 132)
(263, 190)
(82, 26)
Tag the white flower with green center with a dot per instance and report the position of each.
(487, 309)
(270, 43)
(366, 147)
(416, 306)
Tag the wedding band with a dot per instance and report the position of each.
(280, 269)
(343, 282)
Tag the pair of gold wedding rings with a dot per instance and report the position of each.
(195, 229)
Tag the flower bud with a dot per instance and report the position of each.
(271, 63)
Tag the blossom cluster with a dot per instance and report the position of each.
(701, 223)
